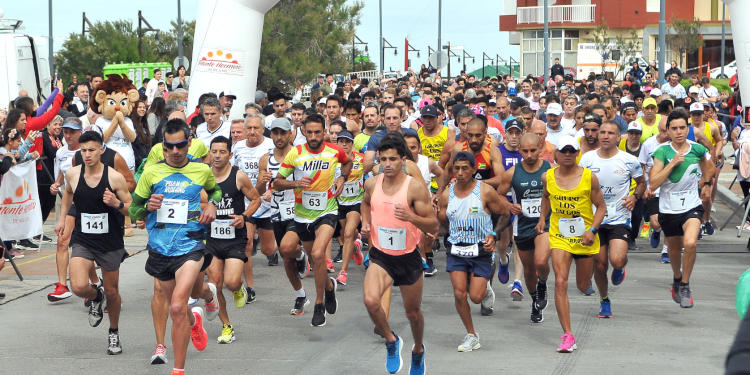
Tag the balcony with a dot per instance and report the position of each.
(557, 14)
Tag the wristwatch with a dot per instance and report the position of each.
(122, 204)
(594, 230)
(247, 218)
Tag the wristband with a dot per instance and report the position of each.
(594, 230)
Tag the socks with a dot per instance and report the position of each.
(657, 230)
(301, 256)
(300, 293)
(604, 299)
(507, 260)
(683, 284)
(114, 330)
(178, 371)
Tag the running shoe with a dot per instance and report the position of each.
(178, 372)
(330, 298)
(589, 291)
(675, 289)
(516, 292)
(537, 315)
(341, 278)
(655, 238)
(664, 258)
(44, 238)
(198, 334)
(61, 292)
(471, 342)
(240, 297)
(192, 301)
(418, 367)
(15, 254)
(502, 271)
(28, 244)
(338, 258)
(606, 308)
(227, 334)
(160, 355)
(618, 276)
(708, 228)
(568, 344)
(95, 309)
(700, 232)
(430, 270)
(273, 259)
(541, 295)
(303, 266)
(299, 305)
(357, 255)
(250, 295)
(329, 266)
(319, 315)
(632, 246)
(115, 347)
(488, 302)
(686, 298)
(393, 360)
(212, 308)
(366, 260)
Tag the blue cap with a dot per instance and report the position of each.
(512, 91)
(72, 125)
(346, 135)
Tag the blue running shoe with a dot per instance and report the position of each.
(664, 258)
(516, 292)
(606, 309)
(418, 367)
(618, 276)
(393, 361)
(655, 238)
(502, 272)
(708, 228)
(366, 261)
(589, 291)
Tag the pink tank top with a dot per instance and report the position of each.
(390, 235)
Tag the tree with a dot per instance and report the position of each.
(603, 43)
(628, 47)
(686, 36)
(302, 38)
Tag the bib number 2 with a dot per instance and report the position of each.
(172, 211)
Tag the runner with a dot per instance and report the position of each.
(651, 195)
(315, 211)
(714, 137)
(681, 167)
(436, 139)
(614, 169)
(246, 156)
(570, 192)
(283, 204)
(524, 181)
(168, 196)
(98, 234)
(349, 207)
(466, 207)
(590, 139)
(395, 208)
(227, 238)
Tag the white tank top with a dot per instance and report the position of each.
(247, 158)
(423, 164)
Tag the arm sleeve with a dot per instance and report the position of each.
(212, 188)
(138, 209)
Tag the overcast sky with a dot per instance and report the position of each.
(475, 27)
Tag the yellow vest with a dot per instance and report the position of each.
(568, 209)
(432, 147)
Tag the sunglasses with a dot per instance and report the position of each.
(169, 145)
(568, 150)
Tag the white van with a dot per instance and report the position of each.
(589, 60)
(25, 65)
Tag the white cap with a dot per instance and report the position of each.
(635, 126)
(511, 85)
(567, 140)
(323, 100)
(696, 108)
(554, 109)
(656, 92)
(694, 90)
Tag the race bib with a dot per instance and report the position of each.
(470, 251)
(531, 207)
(95, 223)
(172, 211)
(314, 200)
(678, 199)
(572, 227)
(392, 238)
(222, 229)
(351, 189)
(286, 210)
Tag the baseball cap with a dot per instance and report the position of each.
(72, 125)
(567, 140)
(228, 94)
(323, 100)
(513, 124)
(500, 88)
(429, 111)
(346, 135)
(694, 90)
(93, 128)
(649, 102)
(512, 91)
(554, 109)
(696, 108)
(656, 92)
(634, 126)
(281, 123)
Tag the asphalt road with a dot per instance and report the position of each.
(648, 334)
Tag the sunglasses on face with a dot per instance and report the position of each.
(180, 145)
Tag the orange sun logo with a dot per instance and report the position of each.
(219, 55)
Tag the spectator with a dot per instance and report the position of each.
(673, 87)
(636, 72)
(708, 92)
(142, 143)
(673, 70)
(80, 101)
(51, 141)
(153, 86)
(557, 69)
(182, 81)
(156, 113)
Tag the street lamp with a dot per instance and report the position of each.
(466, 54)
(355, 42)
(450, 54)
(510, 69)
(409, 48)
(497, 63)
(387, 45)
(484, 58)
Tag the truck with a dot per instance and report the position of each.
(590, 60)
(25, 63)
(138, 71)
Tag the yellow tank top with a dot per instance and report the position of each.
(707, 132)
(432, 147)
(572, 215)
(649, 130)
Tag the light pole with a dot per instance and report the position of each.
(440, 27)
(408, 48)
(450, 54)
(384, 43)
(382, 58)
(355, 41)
(179, 32)
(662, 42)
(52, 44)
(723, 37)
(546, 42)
(465, 55)
(510, 66)
(485, 57)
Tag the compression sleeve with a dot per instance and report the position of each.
(138, 210)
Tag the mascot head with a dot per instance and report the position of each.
(116, 94)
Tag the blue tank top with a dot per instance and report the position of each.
(510, 158)
(691, 133)
(469, 222)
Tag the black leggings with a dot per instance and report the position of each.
(635, 220)
(46, 200)
(745, 186)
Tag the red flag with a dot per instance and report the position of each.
(708, 70)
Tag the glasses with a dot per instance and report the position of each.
(180, 145)
(568, 150)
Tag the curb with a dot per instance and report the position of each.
(729, 197)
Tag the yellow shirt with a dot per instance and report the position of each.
(571, 216)
(649, 130)
(432, 147)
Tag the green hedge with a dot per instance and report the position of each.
(720, 84)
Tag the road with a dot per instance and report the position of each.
(648, 334)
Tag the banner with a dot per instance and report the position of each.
(20, 213)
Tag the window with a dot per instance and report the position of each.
(571, 34)
(556, 33)
(529, 63)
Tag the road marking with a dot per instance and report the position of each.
(35, 260)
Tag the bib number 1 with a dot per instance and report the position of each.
(392, 238)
